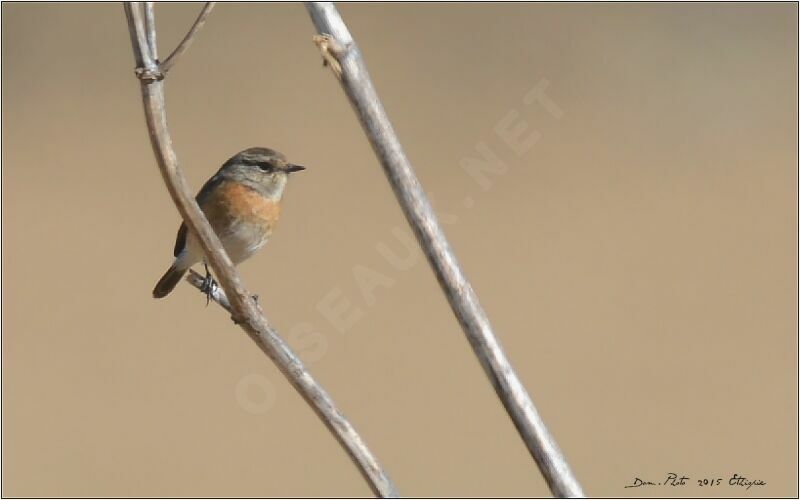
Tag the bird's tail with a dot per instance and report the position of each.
(168, 282)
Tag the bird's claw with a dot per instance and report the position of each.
(208, 286)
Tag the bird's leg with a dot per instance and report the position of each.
(208, 284)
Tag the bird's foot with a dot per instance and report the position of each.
(208, 286)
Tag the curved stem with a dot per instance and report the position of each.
(244, 310)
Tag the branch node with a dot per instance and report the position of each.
(149, 75)
(332, 52)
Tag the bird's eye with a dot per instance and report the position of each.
(266, 167)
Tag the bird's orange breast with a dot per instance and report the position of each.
(234, 202)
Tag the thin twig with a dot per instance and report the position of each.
(243, 308)
(355, 80)
(188, 39)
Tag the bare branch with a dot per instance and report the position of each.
(133, 13)
(150, 29)
(188, 39)
(243, 308)
(337, 43)
(146, 68)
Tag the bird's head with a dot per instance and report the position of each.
(263, 169)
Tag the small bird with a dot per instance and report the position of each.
(242, 201)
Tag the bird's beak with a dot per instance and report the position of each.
(294, 168)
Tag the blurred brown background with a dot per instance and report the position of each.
(638, 261)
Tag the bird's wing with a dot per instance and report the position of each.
(180, 240)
